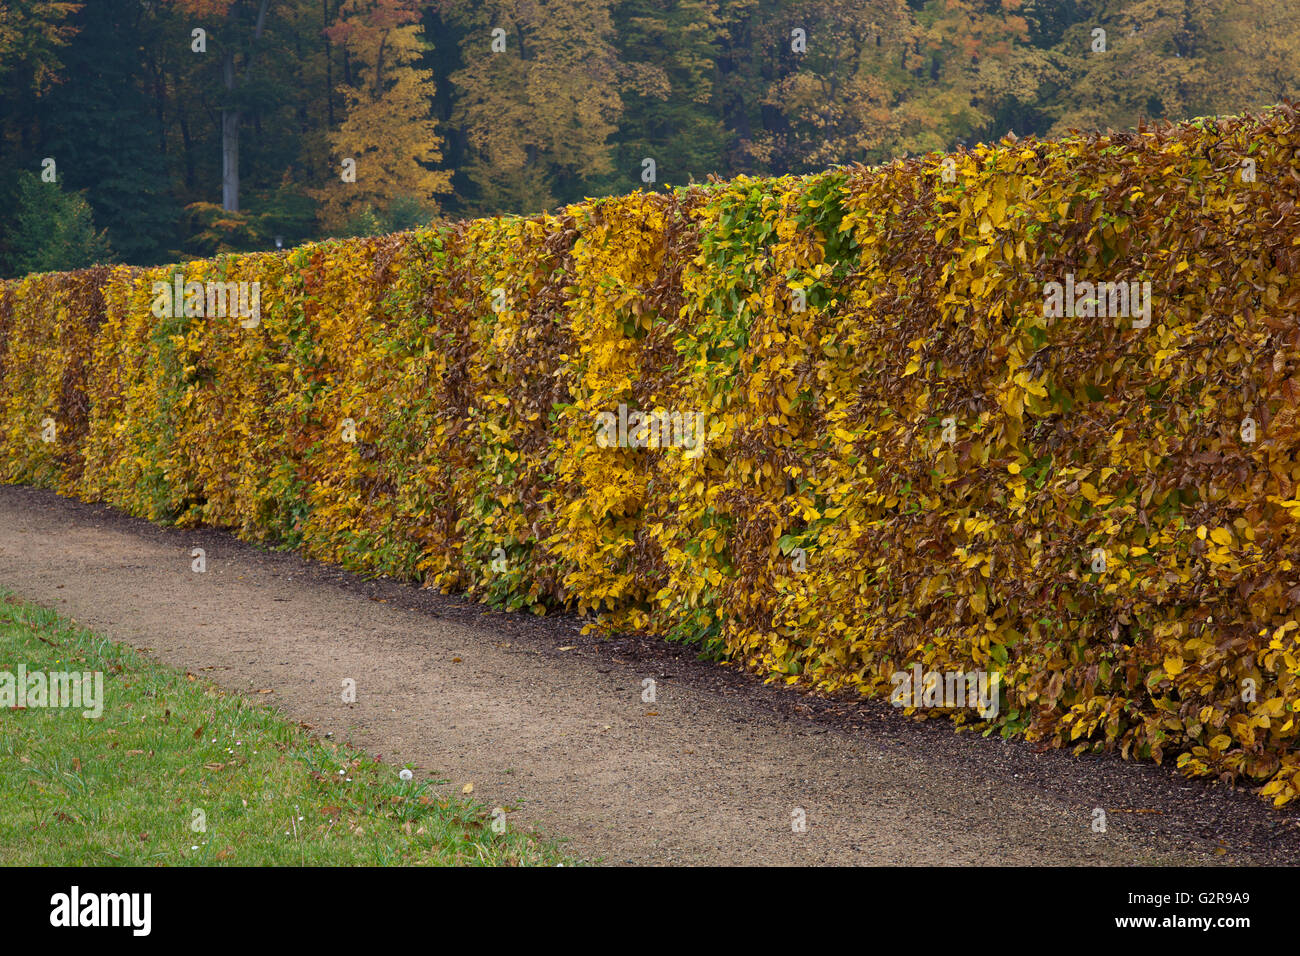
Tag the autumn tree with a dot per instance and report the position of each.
(33, 34)
(538, 99)
(183, 145)
(1132, 60)
(986, 68)
(831, 77)
(388, 140)
(1262, 41)
(818, 82)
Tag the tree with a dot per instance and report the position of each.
(52, 230)
(388, 131)
(1176, 59)
(537, 115)
(100, 128)
(31, 33)
(868, 81)
(671, 110)
(831, 77)
(242, 25)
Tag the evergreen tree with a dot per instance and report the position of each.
(670, 50)
(52, 230)
(104, 136)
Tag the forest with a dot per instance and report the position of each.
(149, 131)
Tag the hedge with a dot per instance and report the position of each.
(908, 457)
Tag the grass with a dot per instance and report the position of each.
(177, 772)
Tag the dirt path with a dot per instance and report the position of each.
(552, 724)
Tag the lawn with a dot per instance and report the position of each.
(178, 772)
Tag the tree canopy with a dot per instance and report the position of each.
(195, 126)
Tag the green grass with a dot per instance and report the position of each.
(123, 788)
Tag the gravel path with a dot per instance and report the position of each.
(551, 724)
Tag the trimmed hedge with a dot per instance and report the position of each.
(907, 459)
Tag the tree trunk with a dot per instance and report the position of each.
(230, 143)
(230, 118)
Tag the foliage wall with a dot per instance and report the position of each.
(1103, 510)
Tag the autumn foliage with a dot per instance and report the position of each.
(950, 460)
